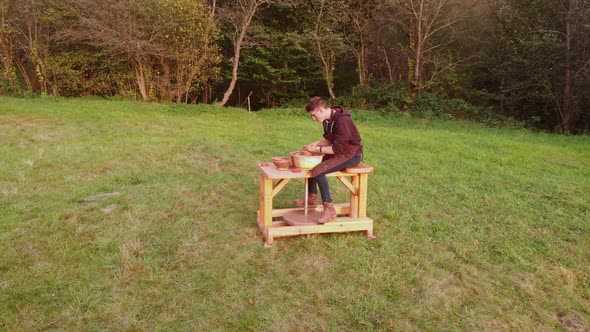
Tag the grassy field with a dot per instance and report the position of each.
(134, 216)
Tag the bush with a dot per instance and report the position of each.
(383, 97)
(428, 105)
(461, 109)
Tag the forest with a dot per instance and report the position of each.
(491, 61)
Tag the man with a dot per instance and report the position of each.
(342, 148)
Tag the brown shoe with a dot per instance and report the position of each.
(312, 199)
(328, 214)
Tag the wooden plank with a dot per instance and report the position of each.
(267, 208)
(354, 198)
(341, 225)
(261, 210)
(361, 168)
(363, 188)
(341, 208)
(272, 172)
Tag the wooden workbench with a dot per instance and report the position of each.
(352, 216)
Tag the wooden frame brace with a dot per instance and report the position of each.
(353, 190)
(279, 186)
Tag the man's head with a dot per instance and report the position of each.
(318, 109)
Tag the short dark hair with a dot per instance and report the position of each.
(315, 103)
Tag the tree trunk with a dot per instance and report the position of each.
(418, 44)
(165, 83)
(328, 71)
(362, 63)
(234, 74)
(568, 111)
(327, 64)
(8, 69)
(191, 75)
(206, 92)
(361, 54)
(389, 70)
(245, 24)
(330, 81)
(36, 57)
(24, 73)
(140, 78)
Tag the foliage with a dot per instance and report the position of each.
(74, 47)
(186, 32)
(282, 70)
(526, 60)
(8, 73)
(85, 72)
(428, 105)
(528, 71)
(386, 97)
(324, 36)
(534, 50)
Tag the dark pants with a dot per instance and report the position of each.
(322, 179)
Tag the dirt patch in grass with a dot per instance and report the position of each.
(95, 199)
(36, 130)
(571, 321)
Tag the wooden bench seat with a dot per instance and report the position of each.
(361, 168)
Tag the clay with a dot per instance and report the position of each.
(282, 163)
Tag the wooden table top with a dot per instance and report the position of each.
(270, 171)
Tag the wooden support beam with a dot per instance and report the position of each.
(342, 224)
(353, 190)
(342, 208)
(279, 186)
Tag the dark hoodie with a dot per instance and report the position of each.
(345, 139)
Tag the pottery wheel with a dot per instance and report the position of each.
(298, 217)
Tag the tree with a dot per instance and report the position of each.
(361, 14)
(576, 25)
(325, 35)
(429, 24)
(120, 26)
(169, 44)
(542, 61)
(7, 69)
(238, 15)
(32, 33)
(186, 32)
(282, 70)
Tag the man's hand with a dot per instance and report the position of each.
(312, 148)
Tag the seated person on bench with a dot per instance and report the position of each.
(342, 148)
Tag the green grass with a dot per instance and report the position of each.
(478, 228)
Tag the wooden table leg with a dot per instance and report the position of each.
(363, 187)
(266, 194)
(354, 197)
(261, 206)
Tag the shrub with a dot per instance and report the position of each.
(461, 109)
(383, 97)
(428, 105)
